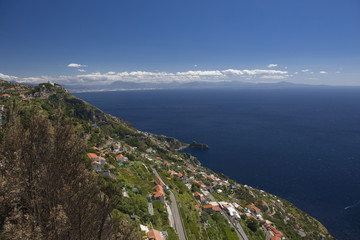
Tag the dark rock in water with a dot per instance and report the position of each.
(198, 145)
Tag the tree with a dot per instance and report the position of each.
(252, 224)
(46, 191)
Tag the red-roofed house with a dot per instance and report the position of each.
(93, 156)
(154, 235)
(275, 238)
(207, 206)
(254, 209)
(216, 208)
(116, 146)
(121, 158)
(197, 195)
(6, 95)
(158, 194)
(172, 172)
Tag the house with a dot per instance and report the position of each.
(216, 208)
(197, 195)
(121, 158)
(254, 209)
(22, 95)
(96, 165)
(6, 95)
(166, 164)
(275, 238)
(275, 232)
(233, 213)
(2, 107)
(93, 156)
(96, 160)
(172, 172)
(208, 206)
(158, 194)
(154, 235)
(117, 147)
(25, 100)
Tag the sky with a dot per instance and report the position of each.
(90, 42)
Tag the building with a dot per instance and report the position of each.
(154, 235)
(117, 147)
(121, 158)
(158, 194)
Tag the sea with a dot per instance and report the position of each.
(300, 143)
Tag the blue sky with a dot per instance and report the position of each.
(314, 42)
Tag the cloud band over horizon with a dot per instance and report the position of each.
(255, 75)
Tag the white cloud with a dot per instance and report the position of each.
(295, 73)
(233, 71)
(195, 65)
(200, 73)
(83, 78)
(305, 70)
(272, 65)
(337, 72)
(253, 72)
(278, 77)
(76, 65)
(323, 72)
(7, 77)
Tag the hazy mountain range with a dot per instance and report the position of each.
(122, 85)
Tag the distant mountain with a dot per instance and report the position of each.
(122, 85)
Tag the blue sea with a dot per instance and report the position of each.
(302, 144)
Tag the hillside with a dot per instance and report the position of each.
(149, 186)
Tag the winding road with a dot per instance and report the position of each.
(179, 226)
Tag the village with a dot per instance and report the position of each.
(209, 191)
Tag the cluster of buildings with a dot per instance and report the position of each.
(190, 175)
(233, 209)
